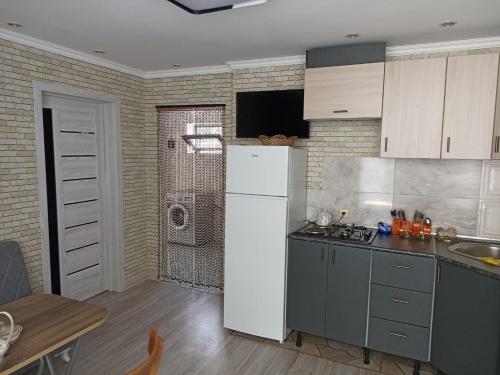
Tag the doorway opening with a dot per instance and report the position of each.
(191, 185)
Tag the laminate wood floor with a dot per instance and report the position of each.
(190, 323)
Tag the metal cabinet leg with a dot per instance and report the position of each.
(298, 342)
(72, 354)
(366, 352)
(416, 368)
(50, 365)
(41, 366)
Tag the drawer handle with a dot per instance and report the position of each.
(397, 335)
(255, 155)
(399, 300)
(403, 267)
(341, 111)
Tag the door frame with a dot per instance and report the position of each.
(112, 221)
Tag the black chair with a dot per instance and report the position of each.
(14, 283)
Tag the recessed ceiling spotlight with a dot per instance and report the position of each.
(99, 51)
(447, 24)
(176, 65)
(353, 35)
(14, 24)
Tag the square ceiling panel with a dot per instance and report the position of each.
(209, 6)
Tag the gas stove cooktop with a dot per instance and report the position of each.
(344, 232)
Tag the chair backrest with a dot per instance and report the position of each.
(14, 283)
(151, 365)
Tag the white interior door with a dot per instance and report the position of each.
(77, 124)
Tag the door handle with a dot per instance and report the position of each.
(438, 276)
(397, 334)
(322, 255)
(497, 143)
(341, 111)
(396, 300)
(385, 146)
(333, 256)
(403, 267)
(448, 140)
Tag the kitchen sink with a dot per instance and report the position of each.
(476, 250)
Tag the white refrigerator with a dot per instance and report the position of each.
(265, 201)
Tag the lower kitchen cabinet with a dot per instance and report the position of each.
(466, 325)
(405, 340)
(401, 304)
(327, 290)
(306, 286)
(347, 294)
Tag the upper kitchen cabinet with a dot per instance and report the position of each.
(469, 110)
(344, 92)
(412, 119)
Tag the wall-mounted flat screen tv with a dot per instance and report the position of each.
(270, 113)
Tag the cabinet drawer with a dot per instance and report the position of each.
(401, 305)
(399, 338)
(403, 271)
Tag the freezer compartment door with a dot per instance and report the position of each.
(255, 263)
(259, 170)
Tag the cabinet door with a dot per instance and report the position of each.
(349, 91)
(412, 119)
(347, 294)
(469, 109)
(466, 325)
(306, 286)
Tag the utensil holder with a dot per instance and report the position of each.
(5, 343)
(427, 229)
(405, 230)
(416, 228)
(396, 226)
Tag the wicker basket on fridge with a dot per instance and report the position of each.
(277, 140)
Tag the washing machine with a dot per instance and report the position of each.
(189, 217)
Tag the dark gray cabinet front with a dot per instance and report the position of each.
(306, 286)
(347, 294)
(466, 325)
(327, 290)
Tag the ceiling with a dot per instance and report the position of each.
(155, 34)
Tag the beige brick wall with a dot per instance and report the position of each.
(19, 211)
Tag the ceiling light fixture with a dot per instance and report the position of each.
(447, 24)
(99, 51)
(353, 35)
(211, 6)
(14, 24)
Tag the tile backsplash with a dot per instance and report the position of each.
(448, 191)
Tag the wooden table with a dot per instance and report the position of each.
(49, 323)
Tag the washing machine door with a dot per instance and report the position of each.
(178, 216)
